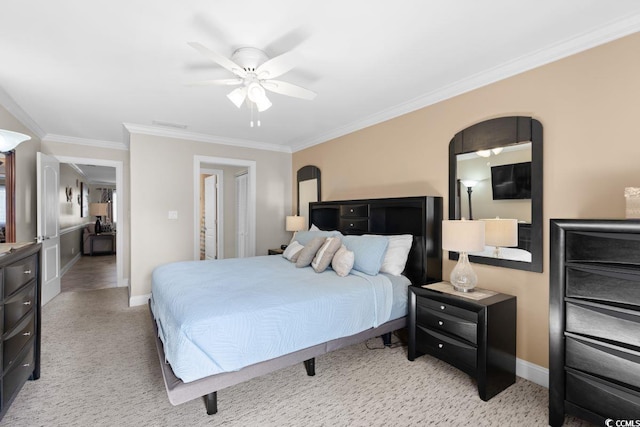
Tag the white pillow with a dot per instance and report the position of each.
(397, 253)
(342, 261)
(314, 228)
(292, 251)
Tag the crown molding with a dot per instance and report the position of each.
(85, 141)
(16, 111)
(211, 139)
(554, 52)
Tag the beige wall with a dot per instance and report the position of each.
(588, 105)
(162, 180)
(25, 178)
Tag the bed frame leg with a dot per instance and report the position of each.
(211, 401)
(310, 366)
(386, 339)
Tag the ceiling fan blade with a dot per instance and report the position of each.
(219, 59)
(277, 66)
(288, 89)
(220, 82)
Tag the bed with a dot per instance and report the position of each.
(220, 323)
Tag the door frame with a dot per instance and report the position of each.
(122, 197)
(219, 208)
(205, 162)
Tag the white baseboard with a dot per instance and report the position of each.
(139, 300)
(70, 264)
(532, 372)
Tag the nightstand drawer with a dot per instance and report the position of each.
(608, 322)
(605, 360)
(442, 306)
(19, 305)
(440, 321)
(620, 285)
(457, 353)
(354, 211)
(606, 399)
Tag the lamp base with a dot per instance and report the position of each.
(463, 278)
(98, 227)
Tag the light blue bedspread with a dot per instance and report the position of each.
(220, 316)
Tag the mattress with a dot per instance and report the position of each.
(223, 315)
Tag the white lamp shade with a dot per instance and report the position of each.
(462, 235)
(294, 223)
(237, 96)
(97, 209)
(10, 140)
(469, 183)
(501, 232)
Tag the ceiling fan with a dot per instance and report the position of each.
(254, 72)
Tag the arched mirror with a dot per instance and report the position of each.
(7, 187)
(308, 178)
(495, 171)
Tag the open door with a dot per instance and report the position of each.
(48, 178)
(211, 217)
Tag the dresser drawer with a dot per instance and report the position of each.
(606, 322)
(440, 321)
(609, 361)
(619, 285)
(18, 305)
(457, 353)
(602, 397)
(622, 248)
(16, 340)
(354, 211)
(17, 376)
(19, 273)
(354, 226)
(442, 306)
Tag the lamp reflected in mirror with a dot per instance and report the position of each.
(469, 184)
(500, 233)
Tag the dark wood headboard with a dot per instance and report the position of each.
(418, 216)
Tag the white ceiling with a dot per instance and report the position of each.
(75, 70)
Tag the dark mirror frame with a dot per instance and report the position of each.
(306, 173)
(495, 133)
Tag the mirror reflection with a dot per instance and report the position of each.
(496, 183)
(308, 178)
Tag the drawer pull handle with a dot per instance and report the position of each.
(440, 345)
(351, 210)
(27, 334)
(26, 303)
(350, 225)
(27, 272)
(26, 365)
(440, 322)
(442, 307)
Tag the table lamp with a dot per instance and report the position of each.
(463, 236)
(99, 210)
(294, 223)
(500, 232)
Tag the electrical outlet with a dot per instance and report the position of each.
(172, 215)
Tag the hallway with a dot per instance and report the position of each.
(90, 273)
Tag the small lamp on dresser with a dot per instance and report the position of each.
(294, 223)
(500, 233)
(463, 236)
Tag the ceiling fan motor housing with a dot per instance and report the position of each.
(249, 58)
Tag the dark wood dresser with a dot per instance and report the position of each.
(594, 320)
(476, 336)
(19, 321)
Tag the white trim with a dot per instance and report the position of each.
(72, 228)
(251, 165)
(554, 52)
(16, 111)
(200, 137)
(122, 195)
(70, 264)
(219, 208)
(85, 141)
(532, 372)
(139, 300)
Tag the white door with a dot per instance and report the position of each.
(211, 217)
(242, 220)
(48, 205)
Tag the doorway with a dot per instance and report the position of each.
(225, 232)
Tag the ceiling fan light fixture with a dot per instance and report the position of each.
(256, 94)
(237, 96)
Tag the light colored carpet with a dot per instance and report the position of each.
(100, 368)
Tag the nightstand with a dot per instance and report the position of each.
(276, 251)
(477, 336)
